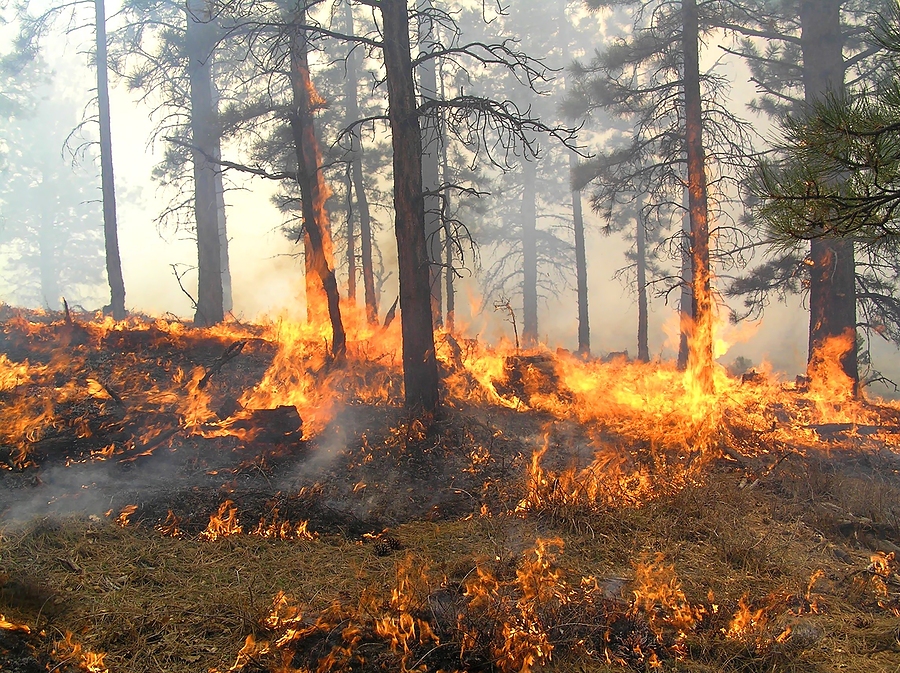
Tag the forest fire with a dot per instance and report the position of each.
(398, 482)
(631, 401)
(131, 397)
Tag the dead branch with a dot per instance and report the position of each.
(252, 170)
(504, 305)
(178, 277)
(392, 312)
(230, 353)
(147, 448)
(111, 392)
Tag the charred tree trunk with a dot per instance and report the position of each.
(640, 235)
(431, 147)
(700, 352)
(351, 94)
(352, 108)
(312, 185)
(200, 40)
(224, 261)
(107, 179)
(529, 253)
(365, 237)
(581, 288)
(420, 374)
(832, 288)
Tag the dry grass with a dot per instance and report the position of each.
(158, 603)
(617, 550)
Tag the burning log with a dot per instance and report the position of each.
(752, 376)
(148, 447)
(273, 426)
(829, 430)
(229, 408)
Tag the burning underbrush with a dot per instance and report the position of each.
(234, 499)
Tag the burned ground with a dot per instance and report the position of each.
(508, 536)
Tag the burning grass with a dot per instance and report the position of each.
(747, 585)
(238, 502)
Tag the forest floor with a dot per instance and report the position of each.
(133, 541)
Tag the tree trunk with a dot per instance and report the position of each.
(224, 261)
(351, 108)
(431, 147)
(351, 245)
(685, 302)
(420, 374)
(227, 295)
(107, 180)
(200, 40)
(312, 185)
(700, 352)
(643, 341)
(351, 94)
(449, 273)
(529, 253)
(365, 237)
(832, 288)
(581, 289)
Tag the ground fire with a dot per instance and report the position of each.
(337, 466)
(175, 500)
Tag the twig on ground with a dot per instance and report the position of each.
(230, 353)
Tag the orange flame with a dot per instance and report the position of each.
(746, 622)
(829, 386)
(91, 662)
(656, 584)
(125, 515)
(280, 529)
(223, 523)
(7, 625)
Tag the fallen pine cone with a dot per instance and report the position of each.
(386, 545)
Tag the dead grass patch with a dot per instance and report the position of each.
(151, 602)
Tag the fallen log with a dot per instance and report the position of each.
(273, 426)
(831, 429)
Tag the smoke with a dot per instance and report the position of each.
(91, 488)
